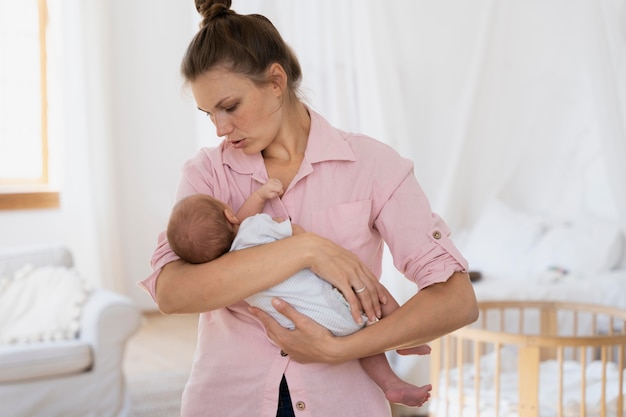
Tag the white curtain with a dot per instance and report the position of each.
(81, 125)
(520, 100)
(523, 101)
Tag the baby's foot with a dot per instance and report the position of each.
(417, 350)
(407, 394)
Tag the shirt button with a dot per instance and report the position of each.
(437, 235)
(283, 353)
(300, 405)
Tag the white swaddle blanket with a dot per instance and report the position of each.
(305, 291)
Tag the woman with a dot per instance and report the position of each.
(350, 192)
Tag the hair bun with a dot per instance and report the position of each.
(212, 9)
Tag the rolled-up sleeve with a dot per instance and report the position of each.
(418, 239)
(161, 256)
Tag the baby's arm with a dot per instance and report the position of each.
(254, 204)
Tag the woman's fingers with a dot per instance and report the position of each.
(346, 272)
(361, 292)
(371, 296)
(305, 343)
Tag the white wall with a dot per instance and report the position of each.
(154, 127)
(146, 127)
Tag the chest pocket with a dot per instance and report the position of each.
(346, 224)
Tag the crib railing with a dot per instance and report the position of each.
(472, 367)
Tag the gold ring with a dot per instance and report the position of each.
(358, 291)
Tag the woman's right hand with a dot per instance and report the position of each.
(346, 272)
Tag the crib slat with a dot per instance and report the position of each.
(435, 375)
(446, 367)
(528, 368)
(496, 382)
(459, 367)
(560, 359)
(477, 377)
(620, 398)
(583, 381)
(603, 355)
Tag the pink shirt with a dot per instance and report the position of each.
(350, 188)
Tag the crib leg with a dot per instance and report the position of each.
(528, 381)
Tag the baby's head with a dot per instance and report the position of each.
(199, 229)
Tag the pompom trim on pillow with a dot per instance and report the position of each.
(41, 304)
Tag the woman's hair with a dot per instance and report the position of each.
(198, 230)
(244, 44)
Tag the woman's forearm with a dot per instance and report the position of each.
(429, 314)
(193, 288)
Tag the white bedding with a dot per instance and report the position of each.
(525, 256)
(605, 288)
(548, 388)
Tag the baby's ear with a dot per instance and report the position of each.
(230, 216)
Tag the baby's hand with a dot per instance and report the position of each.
(295, 229)
(272, 188)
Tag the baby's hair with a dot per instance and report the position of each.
(244, 44)
(198, 230)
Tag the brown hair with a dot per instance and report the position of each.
(198, 230)
(244, 44)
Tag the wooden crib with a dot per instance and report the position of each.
(532, 359)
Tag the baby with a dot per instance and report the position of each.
(202, 228)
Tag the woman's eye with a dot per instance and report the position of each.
(231, 108)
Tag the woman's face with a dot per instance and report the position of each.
(248, 116)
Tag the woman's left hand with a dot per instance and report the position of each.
(308, 342)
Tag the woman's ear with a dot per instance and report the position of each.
(278, 78)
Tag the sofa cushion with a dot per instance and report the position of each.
(41, 360)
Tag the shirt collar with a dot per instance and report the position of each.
(325, 144)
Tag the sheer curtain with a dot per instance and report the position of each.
(81, 125)
(525, 101)
(520, 100)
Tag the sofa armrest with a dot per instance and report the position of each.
(107, 322)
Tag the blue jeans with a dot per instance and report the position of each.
(285, 409)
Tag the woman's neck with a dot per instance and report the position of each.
(291, 140)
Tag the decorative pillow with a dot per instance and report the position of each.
(580, 248)
(41, 304)
(501, 241)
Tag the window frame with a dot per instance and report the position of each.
(22, 194)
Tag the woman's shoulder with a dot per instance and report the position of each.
(200, 173)
(205, 155)
(206, 161)
(373, 151)
(361, 144)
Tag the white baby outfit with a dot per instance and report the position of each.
(305, 291)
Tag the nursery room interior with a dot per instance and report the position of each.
(513, 114)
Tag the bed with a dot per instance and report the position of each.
(533, 359)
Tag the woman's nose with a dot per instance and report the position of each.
(222, 126)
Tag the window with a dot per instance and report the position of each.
(24, 179)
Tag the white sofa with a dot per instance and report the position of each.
(80, 377)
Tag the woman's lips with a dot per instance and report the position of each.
(238, 143)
